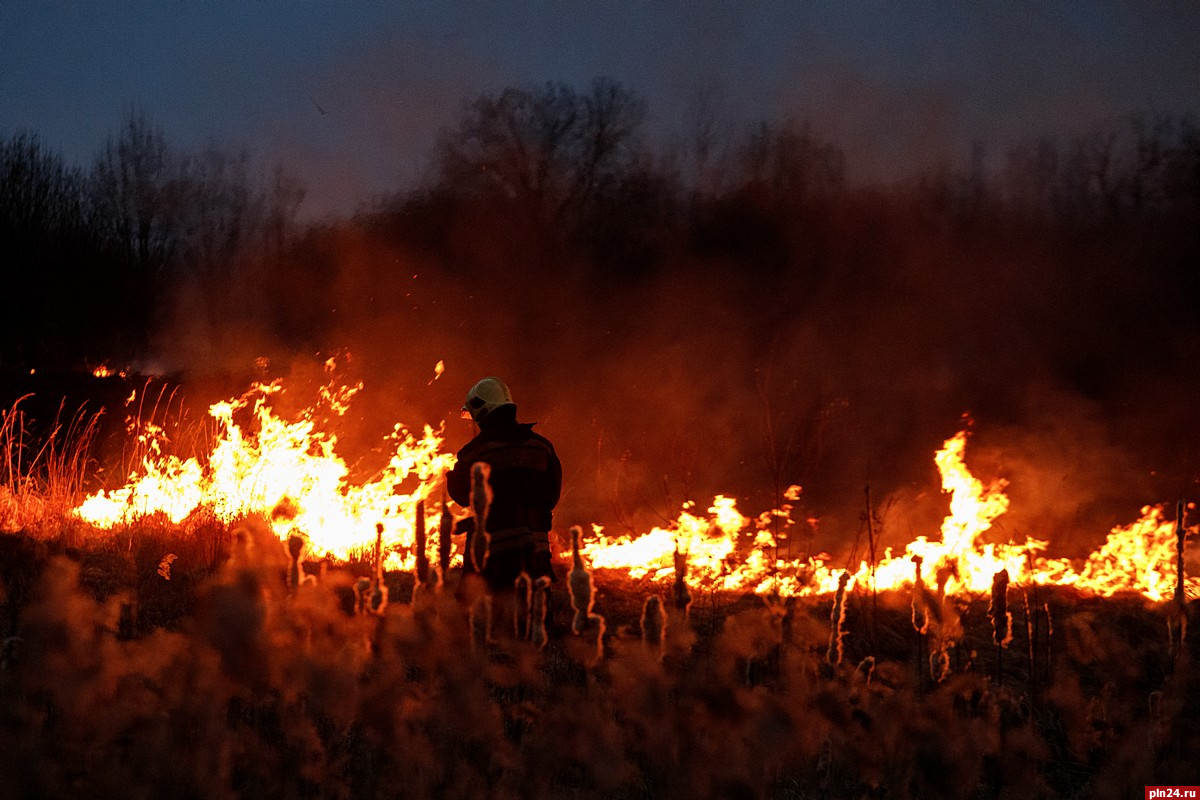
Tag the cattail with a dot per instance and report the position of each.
(422, 575)
(837, 619)
(1049, 638)
(362, 596)
(377, 552)
(379, 598)
(920, 620)
(1001, 620)
(580, 583)
(683, 598)
(1177, 638)
(436, 578)
(295, 549)
(654, 624)
(445, 532)
(865, 669)
(379, 591)
(998, 611)
(939, 664)
(537, 612)
(942, 626)
(522, 605)
(481, 501)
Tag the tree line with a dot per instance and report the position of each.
(534, 183)
(93, 255)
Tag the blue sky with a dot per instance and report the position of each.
(898, 85)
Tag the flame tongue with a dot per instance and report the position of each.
(973, 508)
(725, 553)
(288, 472)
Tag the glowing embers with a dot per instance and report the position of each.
(285, 471)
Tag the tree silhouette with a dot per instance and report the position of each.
(47, 243)
(548, 151)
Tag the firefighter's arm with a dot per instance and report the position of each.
(458, 484)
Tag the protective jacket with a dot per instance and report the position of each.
(526, 479)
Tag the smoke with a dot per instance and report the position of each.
(832, 341)
(681, 386)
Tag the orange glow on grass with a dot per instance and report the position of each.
(289, 472)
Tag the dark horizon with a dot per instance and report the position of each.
(350, 98)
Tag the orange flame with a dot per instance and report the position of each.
(291, 474)
(288, 472)
(727, 552)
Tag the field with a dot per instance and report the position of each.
(130, 674)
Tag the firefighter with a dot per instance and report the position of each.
(525, 477)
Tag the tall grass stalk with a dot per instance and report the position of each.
(653, 625)
(1179, 606)
(445, 532)
(579, 582)
(1001, 620)
(837, 621)
(920, 616)
(871, 553)
(680, 594)
(522, 605)
(44, 479)
(422, 565)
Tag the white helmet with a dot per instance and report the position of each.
(485, 397)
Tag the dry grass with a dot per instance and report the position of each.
(42, 478)
(118, 681)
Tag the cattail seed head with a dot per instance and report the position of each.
(682, 597)
(579, 582)
(654, 624)
(295, 549)
(920, 619)
(865, 669)
(998, 611)
(837, 619)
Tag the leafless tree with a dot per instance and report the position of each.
(137, 194)
(547, 150)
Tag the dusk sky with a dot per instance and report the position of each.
(897, 85)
